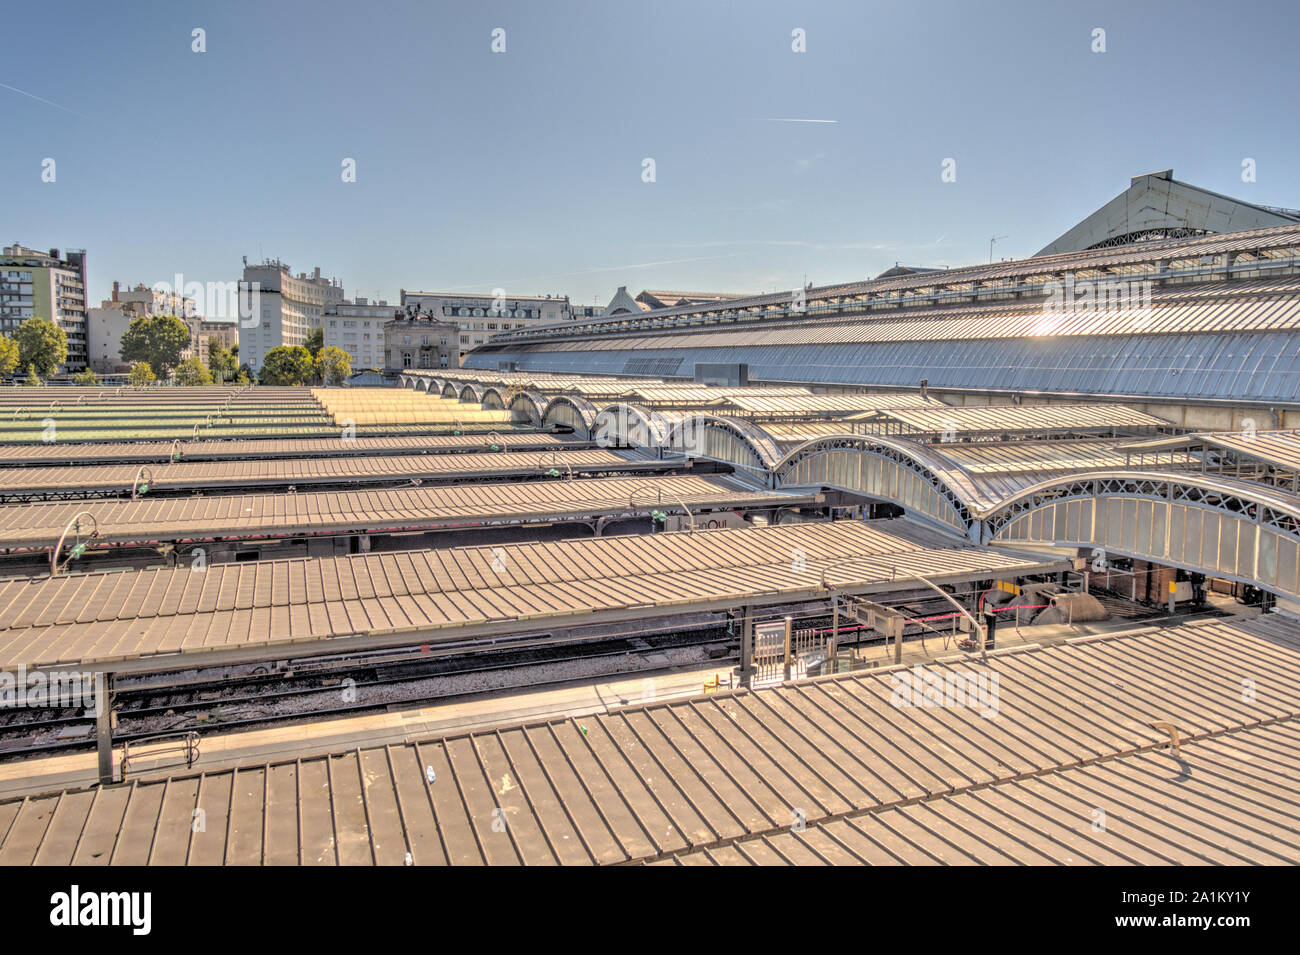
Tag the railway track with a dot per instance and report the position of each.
(313, 690)
(266, 699)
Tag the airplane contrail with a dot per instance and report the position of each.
(41, 99)
(783, 119)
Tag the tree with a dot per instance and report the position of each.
(42, 344)
(157, 340)
(221, 361)
(8, 355)
(87, 377)
(315, 341)
(141, 374)
(333, 365)
(33, 377)
(287, 365)
(191, 372)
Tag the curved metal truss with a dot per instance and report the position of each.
(471, 394)
(528, 403)
(625, 424)
(896, 455)
(1148, 235)
(1176, 489)
(572, 411)
(698, 435)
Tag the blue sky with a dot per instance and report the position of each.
(522, 170)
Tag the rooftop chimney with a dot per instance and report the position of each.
(115, 288)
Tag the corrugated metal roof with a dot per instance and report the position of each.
(1232, 308)
(1131, 260)
(235, 516)
(810, 404)
(149, 451)
(1032, 457)
(260, 609)
(1279, 448)
(1011, 418)
(832, 768)
(1242, 366)
(1197, 809)
(248, 473)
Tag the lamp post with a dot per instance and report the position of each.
(79, 548)
(143, 481)
(659, 499)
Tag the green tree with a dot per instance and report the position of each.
(191, 372)
(141, 374)
(315, 341)
(33, 377)
(8, 355)
(42, 344)
(287, 365)
(87, 377)
(333, 365)
(222, 362)
(157, 340)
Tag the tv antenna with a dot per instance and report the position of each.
(992, 240)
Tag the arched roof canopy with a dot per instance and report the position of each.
(573, 412)
(625, 424)
(886, 469)
(472, 394)
(528, 406)
(731, 440)
(1216, 526)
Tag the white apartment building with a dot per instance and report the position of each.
(287, 307)
(106, 324)
(480, 316)
(357, 327)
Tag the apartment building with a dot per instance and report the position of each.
(357, 327)
(46, 285)
(286, 307)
